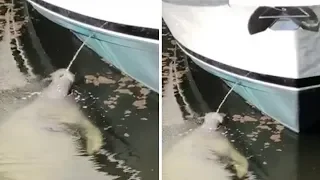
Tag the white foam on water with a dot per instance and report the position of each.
(14, 35)
(11, 100)
(177, 74)
(10, 75)
(171, 113)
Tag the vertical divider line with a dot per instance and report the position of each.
(160, 92)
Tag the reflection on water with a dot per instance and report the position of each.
(120, 107)
(273, 152)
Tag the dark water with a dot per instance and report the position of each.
(274, 153)
(124, 110)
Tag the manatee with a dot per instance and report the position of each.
(197, 154)
(40, 141)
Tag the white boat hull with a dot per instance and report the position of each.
(278, 71)
(133, 48)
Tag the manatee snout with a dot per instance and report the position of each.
(60, 84)
(60, 75)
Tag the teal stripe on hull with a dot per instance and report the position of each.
(140, 65)
(136, 58)
(280, 104)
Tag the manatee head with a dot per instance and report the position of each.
(62, 75)
(212, 120)
(61, 81)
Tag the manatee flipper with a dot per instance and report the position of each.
(222, 147)
(240, 163)
(93, 136)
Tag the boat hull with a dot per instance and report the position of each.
(137, 57)
(280, 104)
(277, 71)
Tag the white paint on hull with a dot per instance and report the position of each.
(274, 2)
(141, 13)
(220, 33)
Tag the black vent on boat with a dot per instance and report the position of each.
(288, 18)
